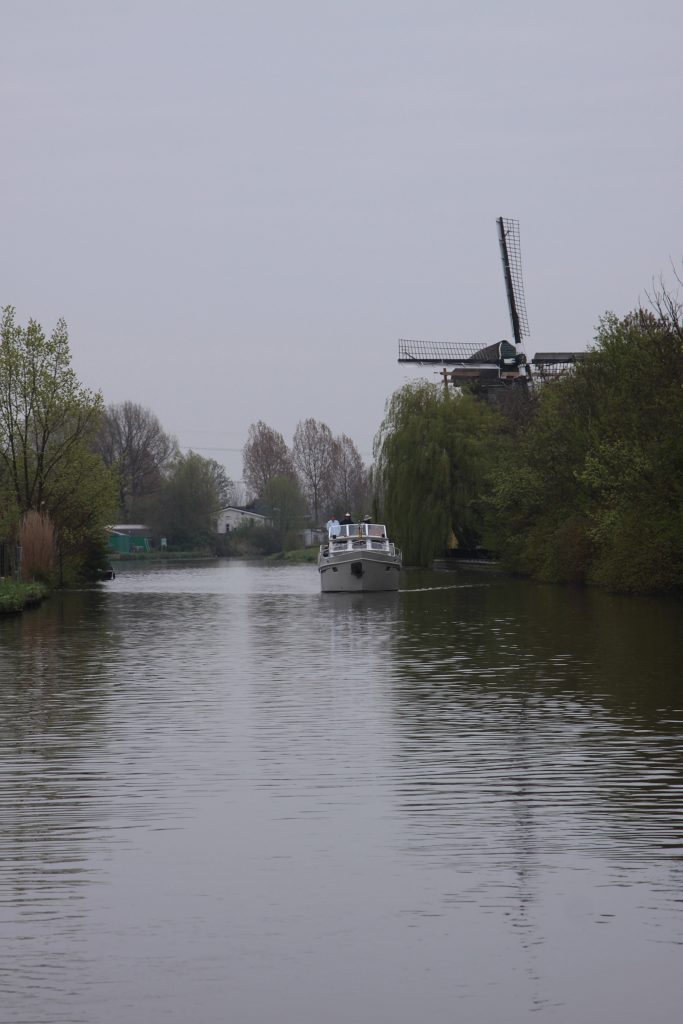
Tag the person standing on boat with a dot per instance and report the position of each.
(347, 520)
(333, 527)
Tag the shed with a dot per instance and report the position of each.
(127, 538)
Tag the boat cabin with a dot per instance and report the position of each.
(356, 531)
(356, 537)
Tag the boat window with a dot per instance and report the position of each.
(351, 529)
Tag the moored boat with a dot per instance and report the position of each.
(359, 558)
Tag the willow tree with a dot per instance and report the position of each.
(434, 454)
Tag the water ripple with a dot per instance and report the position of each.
(215, 772)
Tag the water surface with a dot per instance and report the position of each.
(226, 797)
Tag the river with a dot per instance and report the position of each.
(225, 797)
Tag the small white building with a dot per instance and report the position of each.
(231, 518)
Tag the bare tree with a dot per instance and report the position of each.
(238, 496)
(313, 451)
(351, 487)
(132, 441)
(666, 304)
(264, 456)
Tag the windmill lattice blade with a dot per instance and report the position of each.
(436, 351)
(514, 253)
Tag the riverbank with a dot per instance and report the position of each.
(163, 556)
(297, 556)
(16, 596)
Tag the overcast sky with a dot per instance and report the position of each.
(240, 207)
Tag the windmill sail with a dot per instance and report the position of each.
(511, 255)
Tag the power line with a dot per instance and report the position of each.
(206, 448)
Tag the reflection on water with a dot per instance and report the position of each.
(224, 796)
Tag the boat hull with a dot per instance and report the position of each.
(356, 572)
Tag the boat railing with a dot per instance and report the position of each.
(339, 544)
(357, 530)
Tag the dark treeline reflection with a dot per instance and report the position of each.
(540, 708)
(627, 649)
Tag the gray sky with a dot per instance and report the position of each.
(240, 207)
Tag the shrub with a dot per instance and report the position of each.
(254, 540)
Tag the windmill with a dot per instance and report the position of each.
(496, 367)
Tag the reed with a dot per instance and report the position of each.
(38, 546)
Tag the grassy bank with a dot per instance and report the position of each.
(161, 556)
(300, 555)
(15, 597)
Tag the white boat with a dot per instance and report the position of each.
(359, 558)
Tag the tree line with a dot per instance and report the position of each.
(180, 495)
(70, 466)
(318, 475)
(579, 481)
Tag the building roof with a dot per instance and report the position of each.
(242, 511)
(130, 528)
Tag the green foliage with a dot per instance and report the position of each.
(296, 556)
(434, 454)
(594, 491)
(284, 505)
(247, 541)
(191, 497)
(47, 426)
(10, 517)
(83, 501)
(15, 596)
